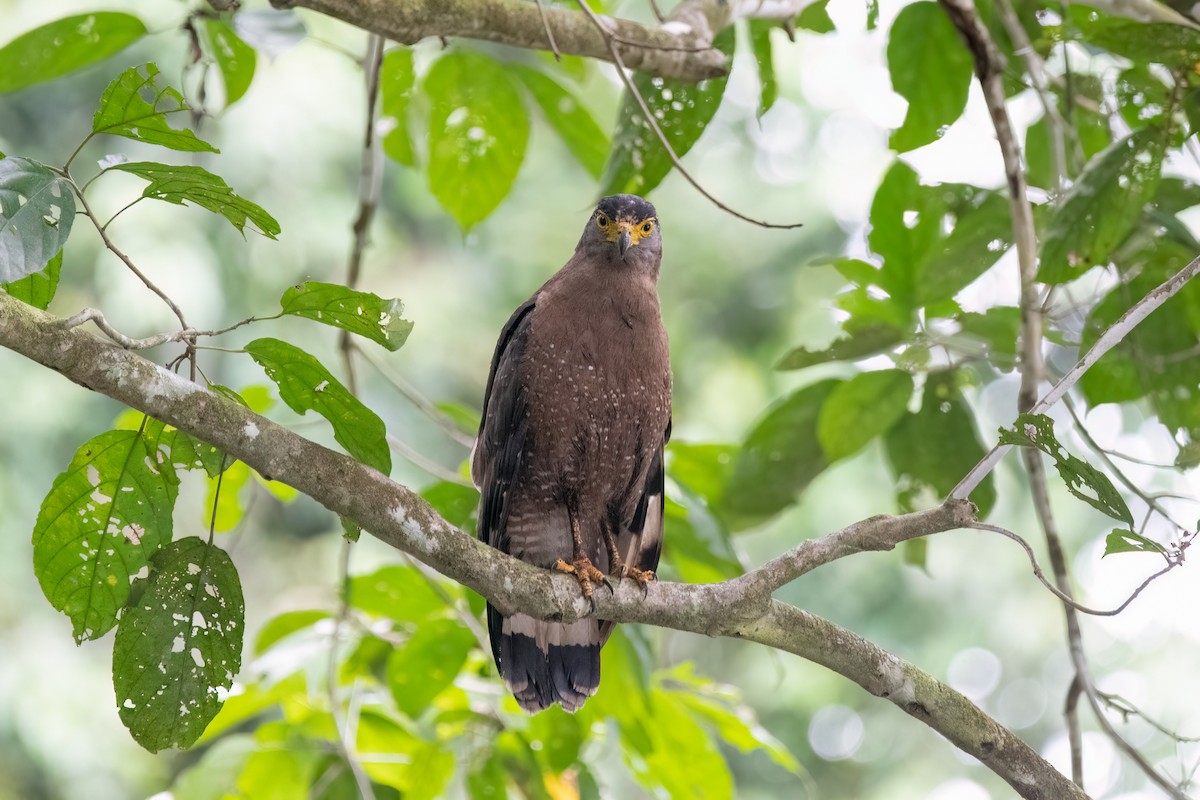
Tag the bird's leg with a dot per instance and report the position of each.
(618, 565)
(581, 566)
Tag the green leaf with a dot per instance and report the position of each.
(737, 727)
(930, 451)
(1102, 207)
(780, 457)
(1142, 97)
(99, 525)
(465, 417)
(282, 768)
(760, 40)
(306, 385)
(998, 328)
(427, 663)
(235, 59)
(931, 68)
(455, 502)
(815, 17)
(638, 162)
(38, 288)
(214, 776)
(569, 118)
(396, 81)
(179, 645)
(860, 409)
(701, 550)
(979, 238)
(64, 46)
(906, 220)
(228, 504)
(478, 130)
(684, 760)
(398, 592)
(198, 185)
(363, 313)
(281, 626)
(37, 210)
(1156, 42)
(915, 553)
(864, 342)
(183, 450)
(1124, 541)
(703, 469)
(1091, 129)
(135, 107)
(1037, 431)
(872, 14)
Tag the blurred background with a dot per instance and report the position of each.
(735, 297)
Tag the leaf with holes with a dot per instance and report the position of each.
(1123, 541)
(638, 162)
(1103, 206)
(38, 288)
(931, 68)
(134, 106)
(37, 210)
(198, 185)
(363, 313)
(478, 130)
(183, 450)
(304, 384)
(99, 525)
(569, 118)
(235, 59)
(179, 646)
(1037, 430)
(64, 46)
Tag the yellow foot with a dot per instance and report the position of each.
(642, 577)
(586, 573)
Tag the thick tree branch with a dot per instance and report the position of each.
(739, 608)
(680, 48)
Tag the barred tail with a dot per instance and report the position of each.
(543, 663)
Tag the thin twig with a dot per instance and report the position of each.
(432, 467)
(648, 115)
(549, 32)
(1111, 337)
(1127, 709)
(1064, 595)
(186, 335)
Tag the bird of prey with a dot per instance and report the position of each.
(569, 456)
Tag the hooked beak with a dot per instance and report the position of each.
(624, 242)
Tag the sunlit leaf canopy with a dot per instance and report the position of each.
(892, 316)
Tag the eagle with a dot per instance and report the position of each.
(569, 455)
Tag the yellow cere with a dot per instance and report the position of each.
(613, 228)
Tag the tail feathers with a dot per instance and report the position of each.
(544, 663)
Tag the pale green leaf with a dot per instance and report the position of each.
(931, 68)
(281, 626)
(179, 645)
(362, 313)
(396, 81)
(134, 106)
(99, 525)
(864, 342)
(760, 40)
(37, 210)
(304, 384)
(235, 59)
(478, 130)
(61, 47)
(569, 118)
(427, 663)
(398, 592)
(197, 185)
(860, 409)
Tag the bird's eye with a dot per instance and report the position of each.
(647, 227)
(602, 221)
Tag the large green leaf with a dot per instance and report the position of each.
(304, 384)
(638, 162)
(398, 592)
(780, 457)
(1037, 431)
(396, 81)
(64, 46)
(363, 313)
(1156, 42)
(38, 288)
(981, 235)
(478, 130)
(37, 210)
(930, 451)
(931, 68)
(427, 663)
(1103, 206)
(197, 185)
(134, 106)
(99, 525)
(235, 59)
(569, 118)
(179, 645)
(860, 409)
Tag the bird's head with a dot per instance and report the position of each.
(624, 229)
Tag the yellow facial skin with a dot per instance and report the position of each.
(613, 229)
